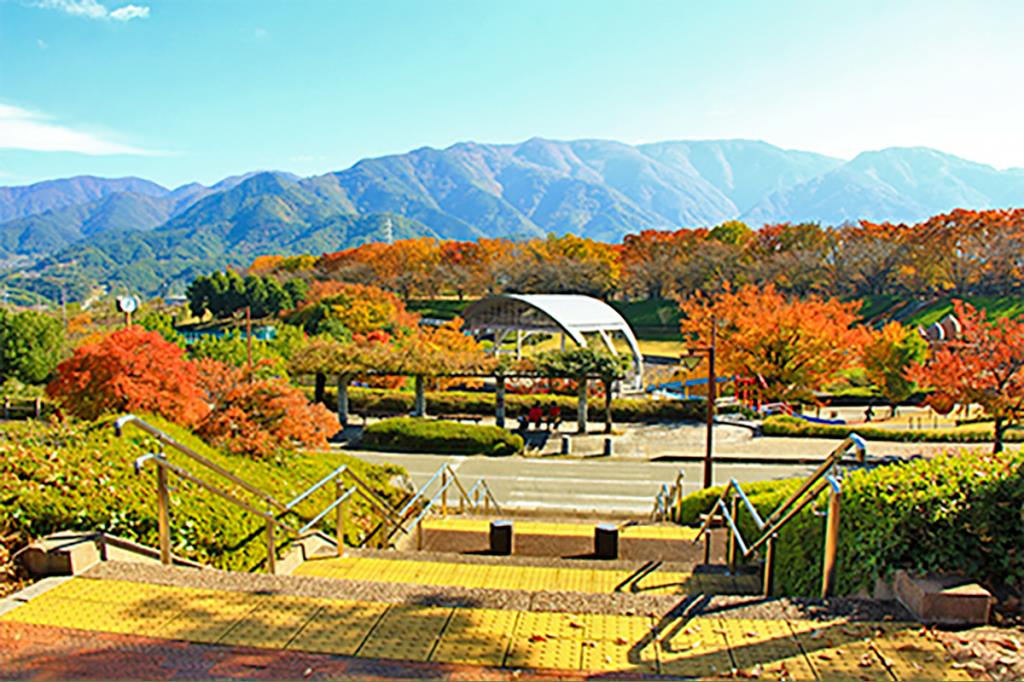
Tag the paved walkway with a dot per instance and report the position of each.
(157, 626)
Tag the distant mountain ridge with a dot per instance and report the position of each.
(135, 232)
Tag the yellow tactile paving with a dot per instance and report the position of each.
(273, 623)
(338, 627)
(529, 578)
(699, 647)
(619, 654)
(838, 650)
(694, 648)
(753, 642)
(638, 532)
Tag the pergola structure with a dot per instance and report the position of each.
(571, 316)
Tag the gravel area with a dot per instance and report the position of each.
(519, 560)
(662, 607)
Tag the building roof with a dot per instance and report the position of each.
(573, 314)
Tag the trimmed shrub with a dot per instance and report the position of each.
(957, 512)
(785, 425)
(388, 402)
(410, 434)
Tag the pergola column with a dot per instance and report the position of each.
(343, 381)
(499, 402)
(420, 406)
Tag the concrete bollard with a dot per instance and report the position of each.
(501, 537)
(606, 541)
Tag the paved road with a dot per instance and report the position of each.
(576, 484)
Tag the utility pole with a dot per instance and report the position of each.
(690, 360)
(712, 392)
(248, 340)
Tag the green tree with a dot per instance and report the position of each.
(232, 349)
(162, 323)
(888, 356)
(31, 345)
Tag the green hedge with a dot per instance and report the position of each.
(391, 402)
(784, 425)
(410, 434)
(79, 476)
(961, 512)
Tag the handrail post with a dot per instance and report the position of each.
(271, 548)
(828, 569)
(444, 492)
(768, 578)
(339, 522)
(732, 534)
(163, 504)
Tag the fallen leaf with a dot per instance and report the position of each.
(538, 638)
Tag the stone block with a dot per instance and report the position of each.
(943, 599)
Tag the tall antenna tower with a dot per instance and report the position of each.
(389, 231)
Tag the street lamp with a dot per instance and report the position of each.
(690, 360)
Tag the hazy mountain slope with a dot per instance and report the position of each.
(43, 233)
(742, 170)
(896, 184)
(25, 200)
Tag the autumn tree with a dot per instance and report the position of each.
(434, 353)
(325, 356)
(887, 357)
(258, 418)
(791, 345)
(129, 370)
(984, 364)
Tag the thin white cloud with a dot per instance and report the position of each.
(24, 129)
(129, 12)
(41, 44)
(91, 9)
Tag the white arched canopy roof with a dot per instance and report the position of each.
(572, 314)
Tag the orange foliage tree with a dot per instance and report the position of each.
(791, 345)
(984, 364)
(258, 418)
(130, 370)
(358, 308)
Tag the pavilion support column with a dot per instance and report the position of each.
(499, 402)
(343, 381)
(319, 388)
(581, 406)
(519, 344)
(420, 407)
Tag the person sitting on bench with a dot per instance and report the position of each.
(554, 417)
(536, 415)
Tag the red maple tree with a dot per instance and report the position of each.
(258, 418)
(984, 364)
(130, 370)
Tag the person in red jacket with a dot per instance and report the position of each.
(535, 416)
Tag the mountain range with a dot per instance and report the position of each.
(135, 234)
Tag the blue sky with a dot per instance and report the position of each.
(182, 90)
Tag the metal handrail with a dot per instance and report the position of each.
(132, 420)
(668, 499)
(827, 475)
(380, 506)
(316, 486)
